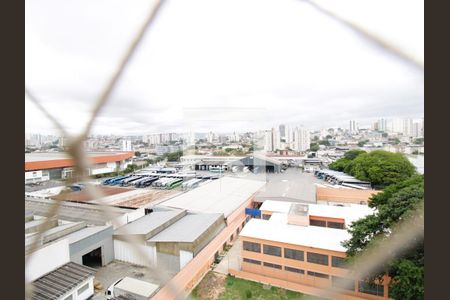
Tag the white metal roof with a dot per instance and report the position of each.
(187, 229)
(223, 195)
(348, 213)
(137, 286)
(276, 206)
(277, 229)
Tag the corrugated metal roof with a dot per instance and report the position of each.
(60, 281)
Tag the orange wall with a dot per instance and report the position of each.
(191, 274)
(343, 195)
(304, 265)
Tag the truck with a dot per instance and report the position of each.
(132, 289)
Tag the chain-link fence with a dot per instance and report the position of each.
(405, 235)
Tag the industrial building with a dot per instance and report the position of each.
(258, 163)
(89, 245)
(54, 277)
(184, 234)
(59, 165)
(290, 249)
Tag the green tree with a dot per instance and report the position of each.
(393, 204)
(381, 168)
(174, 156)
(324, 142)
(314, 147)
(341, 164)
(362, 143)
(137, 153)
(352, 154)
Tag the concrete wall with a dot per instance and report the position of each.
(168, 262)
(124, 251)
(46, 259)
(102, 239)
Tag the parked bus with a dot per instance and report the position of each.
(173, 184)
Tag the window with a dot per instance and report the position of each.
(252, 261)
(249, 246)
(266, 264)
(272, 250)
(343, 283)
(336, 225)
(338, 262)
(294, 254)
(317, 258)
(295, 270)
(316, 274)
(371, 288)
(83, 288)
(266, 216)
(318, 223)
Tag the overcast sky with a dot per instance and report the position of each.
(221, 65)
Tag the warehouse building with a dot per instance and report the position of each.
(54, 277)
(289, 250)
(89, 245)
(184, 234)
(257, 163)
(169, 237)
(59, 165)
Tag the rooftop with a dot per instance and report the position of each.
(44, 156)
(277, 229)
(151, 224)
(187, 229)
(60, 281)
(349, 213)
(223, 195)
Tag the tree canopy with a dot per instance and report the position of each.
(380, 167)
(393, 204)
(314, 147)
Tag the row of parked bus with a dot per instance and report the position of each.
(161, 181)
(341, 178)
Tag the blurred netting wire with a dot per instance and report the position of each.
(405, 235)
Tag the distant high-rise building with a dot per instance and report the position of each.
(276, 139)
(126, 145)
(302, 139)
(282, 130)
(210, 137)
(268, 144)
(353, 126)
(408, 127)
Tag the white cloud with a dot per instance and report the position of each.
(281, 57)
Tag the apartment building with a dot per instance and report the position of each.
(290, 249)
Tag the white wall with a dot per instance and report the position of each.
(46, 259)
(185, 257)
(85, 294)
(127, 252)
